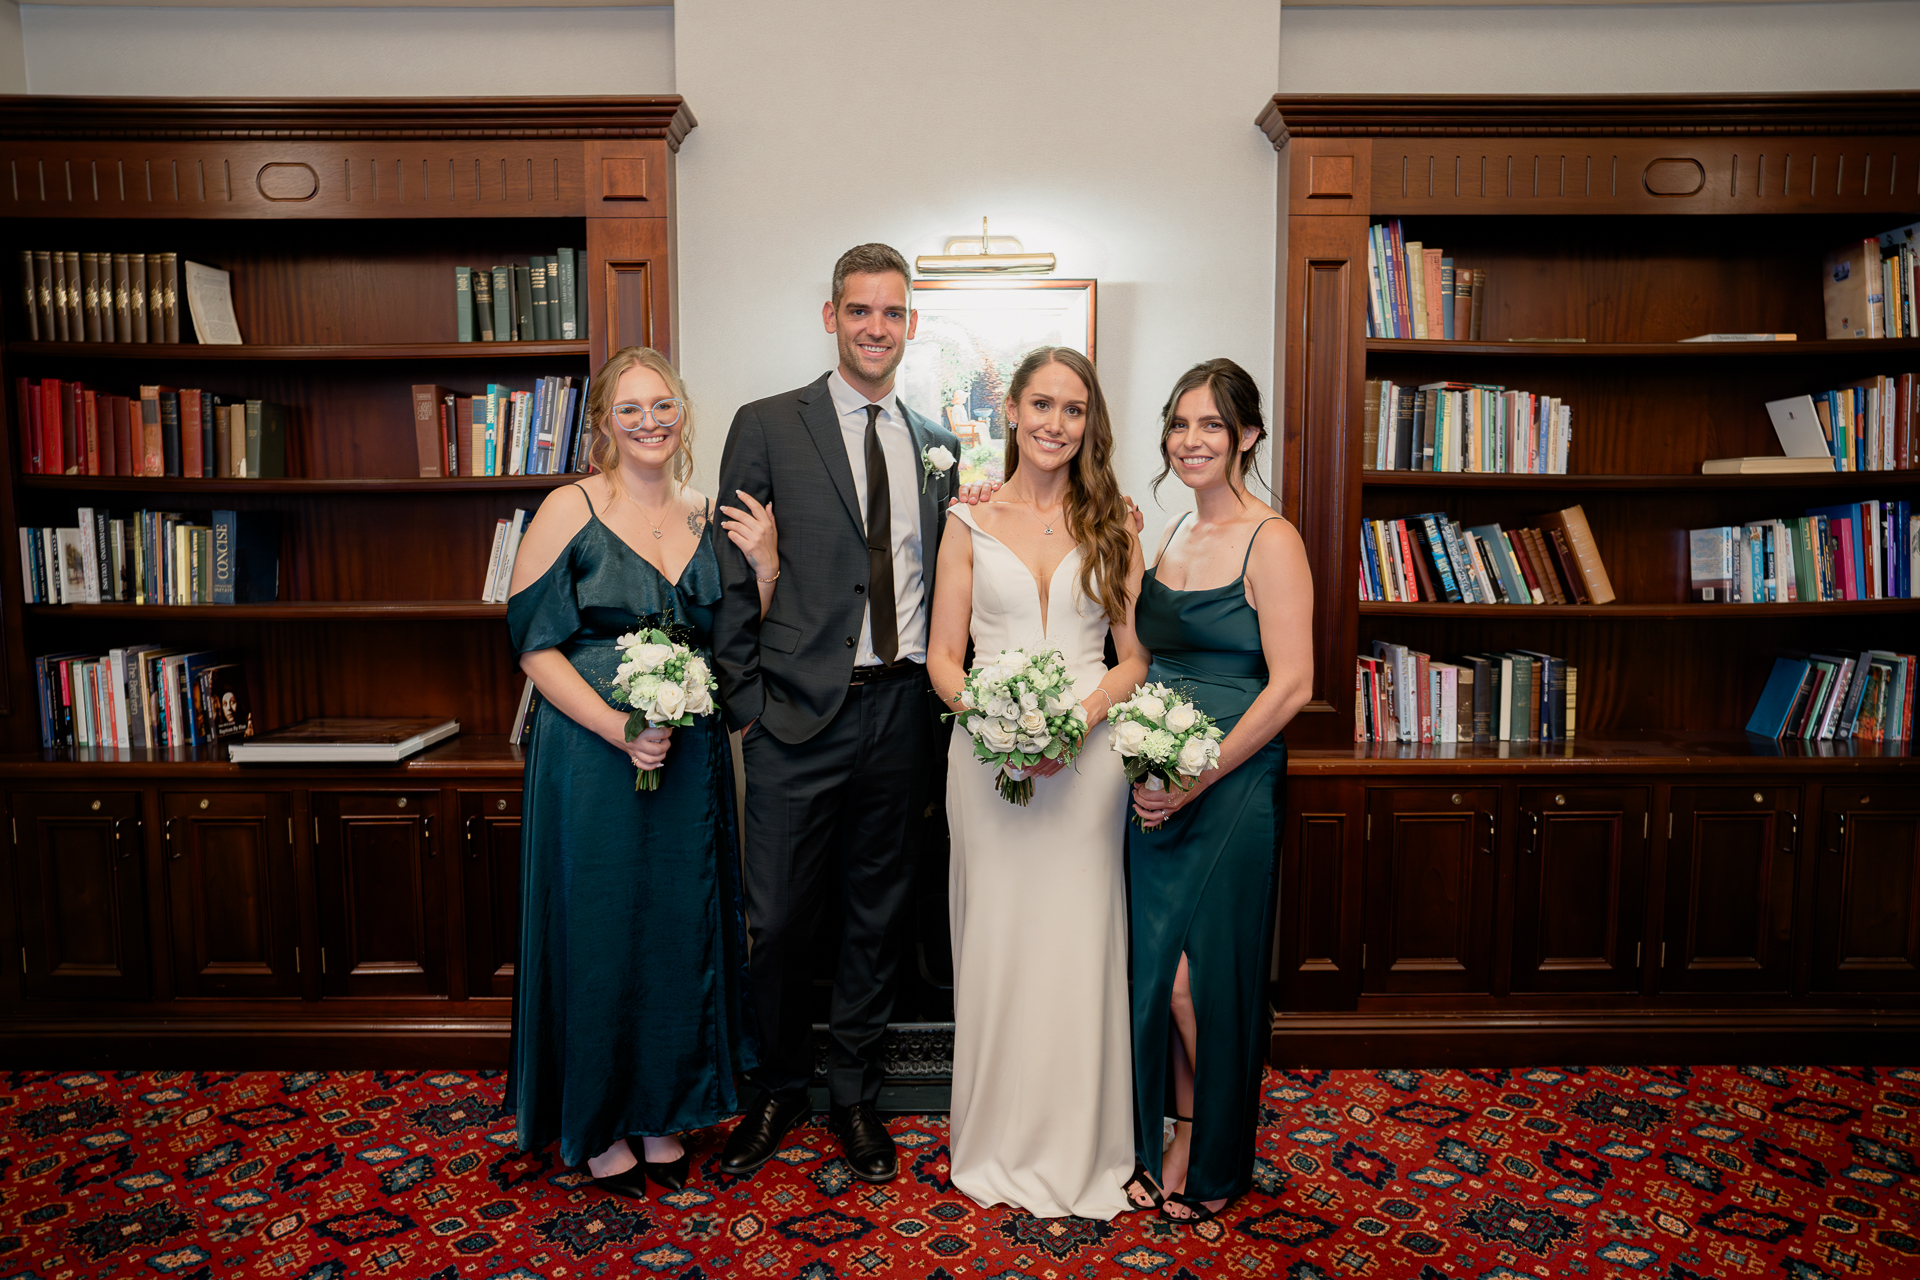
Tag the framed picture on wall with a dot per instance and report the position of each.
(972, 335)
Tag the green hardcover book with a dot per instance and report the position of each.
(1524, 722)
(502, 304)
(522, 303)
(542, 313)
(483, 303)
(463, 302)
(170, 431)
(266, 440)
(568, 312)
(580, 293)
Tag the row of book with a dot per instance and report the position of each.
(101, 297)
(1464, 426)
(539, 300)
(1430, 557)
(1417, 292)
(1847, 551)
(1820, 697)
(153, 557)
(145, 695)
(506, 549)
(503, 432)
(1864, 427)
(1868, 286)
(1403, 695)
(72, 429)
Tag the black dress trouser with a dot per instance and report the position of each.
(833, 814)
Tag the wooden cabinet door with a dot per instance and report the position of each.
(490, 850)
(1431, 871)
(1866, 930)
(1579, 888)
(382, 893)
(77, 861)
(1729, 919)
(1321, 865)
(229, 867)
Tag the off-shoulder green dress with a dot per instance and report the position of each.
(1204, 884)
(627, 1017)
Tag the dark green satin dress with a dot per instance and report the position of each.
(1203, 884)
(626, 1005)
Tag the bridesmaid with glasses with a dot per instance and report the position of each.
(627, 1018)
(1227, 611)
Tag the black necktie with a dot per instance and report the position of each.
(880, 600)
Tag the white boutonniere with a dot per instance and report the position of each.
(935, 459)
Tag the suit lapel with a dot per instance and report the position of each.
(929, 495)
(816, 411)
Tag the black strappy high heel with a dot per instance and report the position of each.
(1197, 1207)
(1147, 1188)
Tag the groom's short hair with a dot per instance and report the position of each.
(869, 259)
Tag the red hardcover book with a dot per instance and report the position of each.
(73, 430)
(52, 460)
(153, 453)
(126, 460)
(90, 428)
(463, 433)
(190, 453)
(29, 419)
(1903, 445)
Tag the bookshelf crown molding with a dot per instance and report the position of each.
(1320, 115)
(76, 119)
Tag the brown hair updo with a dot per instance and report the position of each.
(604, 451)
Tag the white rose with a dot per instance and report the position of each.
(1001, 708)
(1159, 746)
(940, 458)
(670, 700)
(1033, 721)
(972, 724)
(1033, 746)
(1149, 706)
(1060, 704)
(652, 657)
(1193, 757)
(1128, 737)
(699, 700)
(697, 671)
(965, 700)
(1029, 701)
(1079, 714)
(1011, 661)
(1180, 717)
(998, 735)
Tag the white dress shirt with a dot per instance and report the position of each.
(903, 471)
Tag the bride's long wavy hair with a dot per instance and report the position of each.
(1096, 513)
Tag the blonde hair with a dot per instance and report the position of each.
(604, 452)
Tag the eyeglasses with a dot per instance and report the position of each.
(632, 417)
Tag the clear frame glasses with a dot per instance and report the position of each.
(664, 413)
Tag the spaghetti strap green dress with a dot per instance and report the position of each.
(1204, 883)
(627, 1017)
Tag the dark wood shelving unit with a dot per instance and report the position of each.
(1661, 886)
(169, 905)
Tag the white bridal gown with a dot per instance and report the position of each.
(1042, 1052)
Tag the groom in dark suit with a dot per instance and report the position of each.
(831, 692)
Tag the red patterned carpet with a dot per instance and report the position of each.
(1637, 1173)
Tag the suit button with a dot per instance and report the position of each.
(849, 642)
(859, 588)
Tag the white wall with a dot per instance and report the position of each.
(1717, 48)
(177, 52)
(1120, 139)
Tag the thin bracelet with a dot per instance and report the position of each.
(774, 578)
(1109, 697)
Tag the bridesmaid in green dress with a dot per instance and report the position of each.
(1227, 612)
(627, 1016)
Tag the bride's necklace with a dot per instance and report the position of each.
(1046, 526)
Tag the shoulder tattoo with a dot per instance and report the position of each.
(696, 521)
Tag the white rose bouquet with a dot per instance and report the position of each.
(1162, 737)
(1019, 709)
(665, 682)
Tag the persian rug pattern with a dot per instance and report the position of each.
(1604, 1173)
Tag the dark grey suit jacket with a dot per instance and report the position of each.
(790, 671)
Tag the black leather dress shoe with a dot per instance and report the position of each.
(865, 1139)
(758, 1135)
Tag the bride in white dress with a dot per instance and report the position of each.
(1042, 1075)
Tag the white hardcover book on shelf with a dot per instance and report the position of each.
(344, 741)
(493, 562)
(1798, 427)
(509, 551)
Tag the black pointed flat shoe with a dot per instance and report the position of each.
(629, 1184)
(672, 1175)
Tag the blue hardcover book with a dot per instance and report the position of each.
(1850, 511)
(529, 455)
(223, 557)
(1769, 718)
(1446, 298)
(1438, 553)
(1502, 564)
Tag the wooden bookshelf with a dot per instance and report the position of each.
(138, 879)
(1661, 884)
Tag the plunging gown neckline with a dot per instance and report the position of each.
(1045, 599)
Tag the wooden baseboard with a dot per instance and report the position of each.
(294, 1044)
(1529, 1038)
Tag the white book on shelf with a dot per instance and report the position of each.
(493, 562)
(509, 551)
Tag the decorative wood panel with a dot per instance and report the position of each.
(628, 285)
(1580, 888)
(230, 891)
(78, 867)
(1730, 874)
(382, 893)
(1866, 934)
(1322, 867)
(490, 871)
(1431, 873)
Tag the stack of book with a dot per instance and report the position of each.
(506, 549)
(1430, 557)
(145, 695)
(1868, 286)
(1463, 426)
(101, 297)
(1864, 427)
(539, 300)
(504, 432)
(154, 557)
(68, 428)
(1847, 551)
(1824, 697)
(1416, 292)
(1402, 695)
